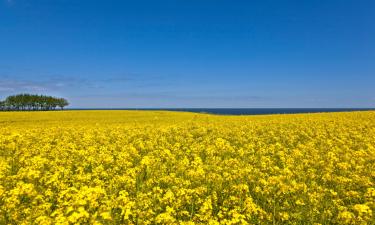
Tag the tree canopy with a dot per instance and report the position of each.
(32, 102)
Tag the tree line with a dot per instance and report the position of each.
(32, 102)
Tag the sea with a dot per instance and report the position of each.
(242, 111)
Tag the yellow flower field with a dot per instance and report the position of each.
(155, 167)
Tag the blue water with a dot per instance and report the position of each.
(245, 111)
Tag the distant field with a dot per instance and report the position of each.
(159, 167)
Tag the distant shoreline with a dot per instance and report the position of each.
(238, 111)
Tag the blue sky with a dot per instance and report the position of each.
(190, 53)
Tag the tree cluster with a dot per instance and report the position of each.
(32, 102)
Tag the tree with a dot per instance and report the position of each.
(32, 102)
(2, 105)
(62, 102)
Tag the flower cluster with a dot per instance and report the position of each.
(132, 167)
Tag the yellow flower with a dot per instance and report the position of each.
(363, 210)
(346, 217)
(157, 167)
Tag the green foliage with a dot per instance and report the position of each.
(32, 102)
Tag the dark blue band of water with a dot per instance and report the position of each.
(242, 111)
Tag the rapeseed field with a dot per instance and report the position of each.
(156, 167)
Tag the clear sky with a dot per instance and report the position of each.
(190, 53)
